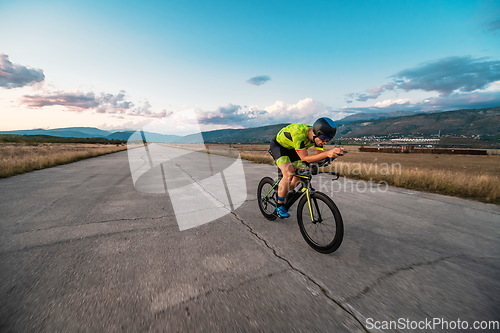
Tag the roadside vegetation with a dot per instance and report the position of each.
(20, 157)
(11, 138)
(466, 176)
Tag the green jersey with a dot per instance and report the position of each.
(295, 136)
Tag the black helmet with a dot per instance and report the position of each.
(325, 127)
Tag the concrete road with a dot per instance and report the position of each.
(82, 250)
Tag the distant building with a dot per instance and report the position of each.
(410, 142)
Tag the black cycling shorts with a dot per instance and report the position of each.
(284, 155)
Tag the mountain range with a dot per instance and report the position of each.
(471, 122)
(481, 123)
(378, 115)
(92, 132)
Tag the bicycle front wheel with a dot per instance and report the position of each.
(267, 193)
(320, 222)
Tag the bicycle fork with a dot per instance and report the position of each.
(310, 202)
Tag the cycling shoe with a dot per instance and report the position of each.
(282, 212)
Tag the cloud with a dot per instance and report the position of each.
(233, 115)
(493, 26)
(372, 93)
(462, 74)
(115, 104)
(476, 100)
(445, 76)
(306, 111)
(392, 102)
(302, 111)
(455, 101)
(259, 80)
(73, 101)
(15, 76)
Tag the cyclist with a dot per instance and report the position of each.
(289, 149)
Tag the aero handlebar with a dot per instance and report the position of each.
(313, 168)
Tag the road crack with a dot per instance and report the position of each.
(224, 290)
(93, 222)
(410, 267)
(346, 307)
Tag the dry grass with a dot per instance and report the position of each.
(467, 176)
(479, 185)
(18, 158)
(254, 153)
(475, 177)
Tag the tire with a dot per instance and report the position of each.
(324, 236)
(267, 206)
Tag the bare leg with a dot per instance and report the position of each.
(288, 179)
(294, 183)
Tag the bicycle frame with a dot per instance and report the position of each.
(323, 219)
(306, 189)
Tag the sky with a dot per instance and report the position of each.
(239, 64)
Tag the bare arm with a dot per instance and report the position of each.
(334, 153)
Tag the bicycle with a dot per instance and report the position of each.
(317, 214)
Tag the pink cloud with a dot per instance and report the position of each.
(113, 104)
(15, 75)
(73, 101)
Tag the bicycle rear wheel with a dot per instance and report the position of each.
(320, 222)
(267, 197)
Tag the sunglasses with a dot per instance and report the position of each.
(324, 138)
